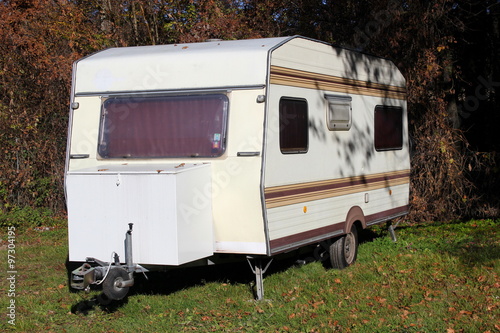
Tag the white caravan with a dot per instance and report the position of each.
(249, 147)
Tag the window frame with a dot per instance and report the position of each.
(285, 138)
(132, 104)
(338, 100)
(396, 140)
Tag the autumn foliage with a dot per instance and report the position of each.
(446, 49)
(38, 42)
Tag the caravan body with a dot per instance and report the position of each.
(252, 147)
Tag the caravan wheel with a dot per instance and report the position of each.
(344, 250)
(110, 286)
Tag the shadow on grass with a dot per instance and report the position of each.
(238, 272)
(100, 301)
(172, 281)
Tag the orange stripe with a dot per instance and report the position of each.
(278, 196)
(304, 79)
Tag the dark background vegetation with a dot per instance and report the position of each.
(447, 50)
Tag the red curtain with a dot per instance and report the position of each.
(148, 127)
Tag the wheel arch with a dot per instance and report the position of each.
(355, 217)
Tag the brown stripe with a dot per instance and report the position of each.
(304, 79)
(317, 235)
(290, 194)
(375, 218)
(301, 238)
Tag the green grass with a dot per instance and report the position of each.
(442, 277)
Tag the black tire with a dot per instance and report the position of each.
(344, 250)
(110, 285)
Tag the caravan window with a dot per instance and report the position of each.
(294, 125)
(163, 126)
(388, 128)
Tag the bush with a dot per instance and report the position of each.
(27, 217)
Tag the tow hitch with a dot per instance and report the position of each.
(116, 279)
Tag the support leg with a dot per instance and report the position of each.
(128, 250)
(391, 227)
(259, 276)
(259, 280)
(392, 232)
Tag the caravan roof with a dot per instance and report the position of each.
(219, 64)
(176, 66)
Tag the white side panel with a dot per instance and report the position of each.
(331, 154)
(303, 217)
(309, 194)
(171, 214)
(195, 235)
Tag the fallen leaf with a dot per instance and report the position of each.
(316, 304)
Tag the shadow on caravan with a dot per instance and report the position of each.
(188, 154)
